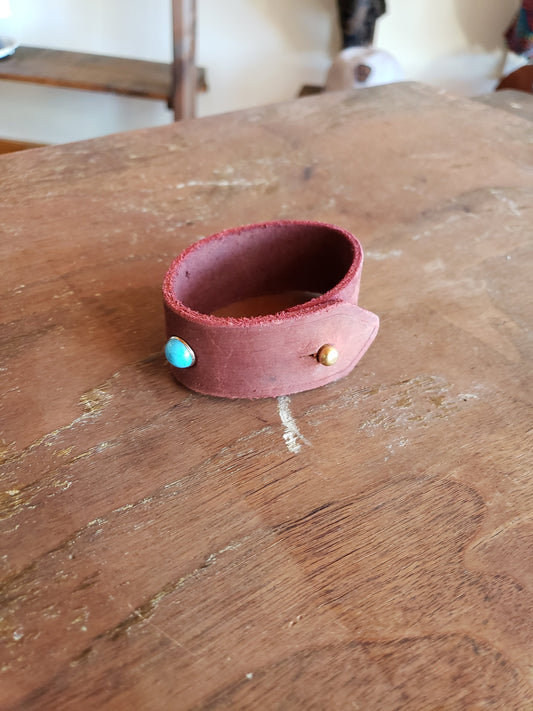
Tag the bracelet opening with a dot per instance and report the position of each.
(260, 270)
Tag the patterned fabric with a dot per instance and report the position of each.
(358, 19)
(519, 36)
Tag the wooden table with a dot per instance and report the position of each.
(363, 546)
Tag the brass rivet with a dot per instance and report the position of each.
(327, 354)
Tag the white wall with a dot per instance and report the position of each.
(255, 52)
(454, 44)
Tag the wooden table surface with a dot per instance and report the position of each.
(363, 546)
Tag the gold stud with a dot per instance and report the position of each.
(327, 354)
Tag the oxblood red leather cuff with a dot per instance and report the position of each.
(273, 354)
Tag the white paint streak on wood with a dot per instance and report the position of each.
(510, 204)
(292, 435)
(223, 183)
(380, 256)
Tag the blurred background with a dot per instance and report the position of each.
(254, 51)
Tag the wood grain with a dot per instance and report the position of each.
(510, 100)
(365, 545)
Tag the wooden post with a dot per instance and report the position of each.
(183, 96)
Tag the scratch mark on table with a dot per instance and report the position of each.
(292, 435)
(162, 631)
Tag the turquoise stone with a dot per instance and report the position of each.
(178, 353)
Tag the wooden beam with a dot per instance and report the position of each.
(183, 95)
(9, 146)
(93, 72)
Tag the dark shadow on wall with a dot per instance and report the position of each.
(485, 21)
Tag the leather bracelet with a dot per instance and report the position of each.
(270, 351)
